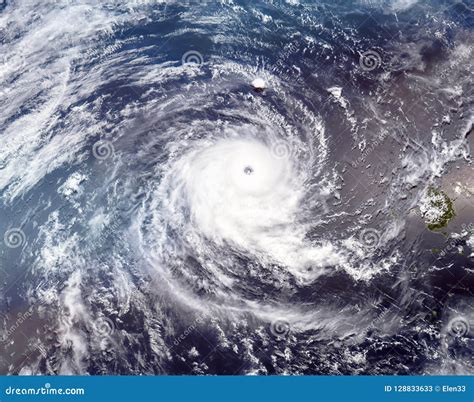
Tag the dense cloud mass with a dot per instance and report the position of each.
(236, 187)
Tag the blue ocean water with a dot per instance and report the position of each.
(135, 240)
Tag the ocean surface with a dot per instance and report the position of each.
(159, 214)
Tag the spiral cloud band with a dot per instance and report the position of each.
(235, 187)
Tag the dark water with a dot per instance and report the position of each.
(136, 242)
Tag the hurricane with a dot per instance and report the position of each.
(236, 187)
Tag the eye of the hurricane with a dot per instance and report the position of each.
(248, 170)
